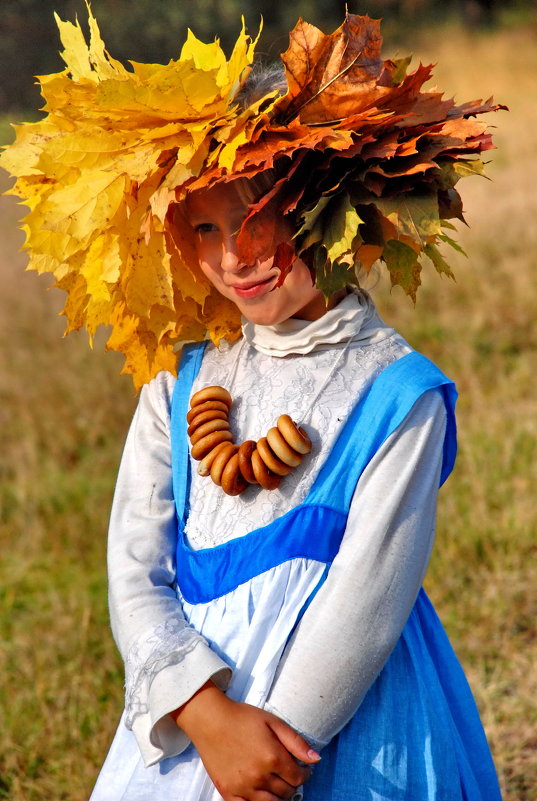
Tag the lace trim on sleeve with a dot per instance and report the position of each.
(167, 644)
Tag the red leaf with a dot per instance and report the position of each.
(284, 258)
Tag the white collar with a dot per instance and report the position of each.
(355, 317)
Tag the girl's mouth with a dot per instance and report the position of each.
(253, 289)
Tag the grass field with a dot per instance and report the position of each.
(64, 412)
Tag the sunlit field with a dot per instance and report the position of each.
(64, 412)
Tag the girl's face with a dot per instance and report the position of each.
(216, 215)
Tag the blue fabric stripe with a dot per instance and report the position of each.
(189, 367)
(314, 529)
(209, 573)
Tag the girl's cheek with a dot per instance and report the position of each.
(201, 253)
(208, 271)
(207, 254)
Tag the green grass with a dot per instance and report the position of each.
(64, 413)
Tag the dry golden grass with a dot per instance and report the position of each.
(63, 416)
(64, 412)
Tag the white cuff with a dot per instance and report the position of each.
(157, 734)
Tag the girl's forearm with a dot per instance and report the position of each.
(348, 632)
(197, 710)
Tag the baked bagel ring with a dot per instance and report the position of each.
(202, 448)
(264, 477)
(295, 437)
(222, 458)
(271, 461)
(205, 407)
(211, 394)
(232, 481)
(204, 467)
(245, 460)
(205, 417)
(282, 449)
(208, 428)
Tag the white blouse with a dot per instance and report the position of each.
(375, 577)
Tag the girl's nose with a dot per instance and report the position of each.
(230, 258)
(230, 261)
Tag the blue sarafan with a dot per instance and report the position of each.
(417, 735)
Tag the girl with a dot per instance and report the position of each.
(266, 595)
(256, 611)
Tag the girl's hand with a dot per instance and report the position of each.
(250, 754)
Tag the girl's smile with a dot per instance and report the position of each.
(253, 289)
(216, 215)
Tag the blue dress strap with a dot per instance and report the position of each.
(376, 416)
(189, 367)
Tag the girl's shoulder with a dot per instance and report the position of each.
(156, 396)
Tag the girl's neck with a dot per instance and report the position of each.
(353, 317)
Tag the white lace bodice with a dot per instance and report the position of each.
(262, 388)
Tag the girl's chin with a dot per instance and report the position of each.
(258, 317)
(262, 311)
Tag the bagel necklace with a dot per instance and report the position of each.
(234, 467)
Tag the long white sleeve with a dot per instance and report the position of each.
(166, 660)
(356, 618)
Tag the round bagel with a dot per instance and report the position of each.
(264, 477)
(205, 417)
(232, 481)
(271, 461)
(204, 467)
(295, 437)
(245, 460)
(205, 407)
(282, 449)
(221, 460)
(202, 448)
(208, 428)
(214, 393)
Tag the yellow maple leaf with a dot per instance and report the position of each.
(101, 267)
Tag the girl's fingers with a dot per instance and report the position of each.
(280, 787)
(263, 795)
(294, 742)
(266, 795)
(250, 754)
(289, 778)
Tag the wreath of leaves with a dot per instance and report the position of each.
(365, 164)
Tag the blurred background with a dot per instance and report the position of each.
(152, 30)
(64, 409)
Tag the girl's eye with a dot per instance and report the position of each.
(205, 228)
